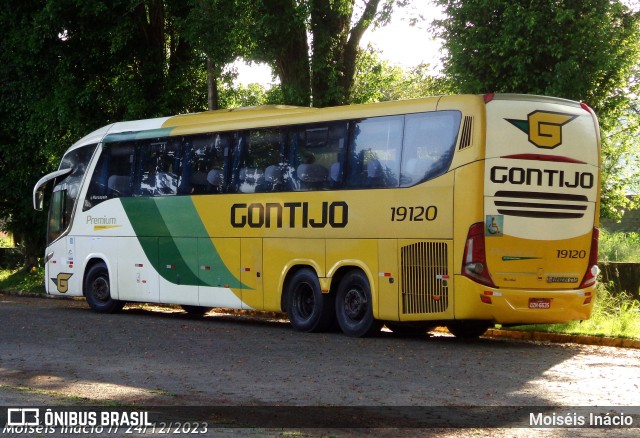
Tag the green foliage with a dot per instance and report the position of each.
(621, 157)
(219, 30)
(619, 246)
(23, 280)
(615, 315)
(376, 80)
(232, 96)
(318, 70)
(71, 66)
(586, 51)
(577, 50)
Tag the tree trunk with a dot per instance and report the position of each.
(283, 32)
(212, 85)
(335, 48)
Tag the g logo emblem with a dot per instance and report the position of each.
(62, 282)
(544, 128)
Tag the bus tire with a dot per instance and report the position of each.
(97, 290)
(468, 329)
(196, 310)
(354, 308)
(308, 308)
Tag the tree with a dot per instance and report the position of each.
(582, 50)
(218, 30)
(68, 67)
(321, 72)
(376, 80)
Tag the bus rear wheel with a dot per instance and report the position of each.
(308, 308)
(354, 308)
(98, 292)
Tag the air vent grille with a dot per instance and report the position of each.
(424, 278)
(465, 136)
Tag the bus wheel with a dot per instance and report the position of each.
(353, 306)
(468, 329)
(98, 292)
(308, 308)
(409, 328)
(196, 310)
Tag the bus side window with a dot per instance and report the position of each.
(257, 151)
(207, 162)
(121, 166)
(112, 175)
(158, 162)
(373, 160)
(317, 155)
(429, 142)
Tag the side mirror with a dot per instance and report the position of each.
(38, 190)
(38, 200)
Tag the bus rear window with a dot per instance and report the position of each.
(429, 142)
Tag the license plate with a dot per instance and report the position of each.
(539, 303)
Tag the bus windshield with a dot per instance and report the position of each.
(66, 189)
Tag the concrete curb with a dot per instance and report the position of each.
(563, 338)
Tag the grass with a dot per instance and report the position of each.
(619, 246)
(615, 315)
(19, 280)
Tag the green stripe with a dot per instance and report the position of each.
(176, 223)
(137, 135)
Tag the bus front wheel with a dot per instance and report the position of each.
(98, 292)
(354, 308)
(308, 308)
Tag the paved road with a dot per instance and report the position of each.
(56, 351)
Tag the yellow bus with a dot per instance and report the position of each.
(463, 211)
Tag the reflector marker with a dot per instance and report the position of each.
(492, 293)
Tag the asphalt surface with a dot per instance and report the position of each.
(58, 353)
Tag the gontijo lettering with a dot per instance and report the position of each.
(541, 177)
(290, 215)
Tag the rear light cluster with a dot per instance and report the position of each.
(592, 268)
(474, 264)
(474, 261)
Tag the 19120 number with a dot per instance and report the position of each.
(571, 254)
(415, 214)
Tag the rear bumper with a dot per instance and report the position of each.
(511, 306)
